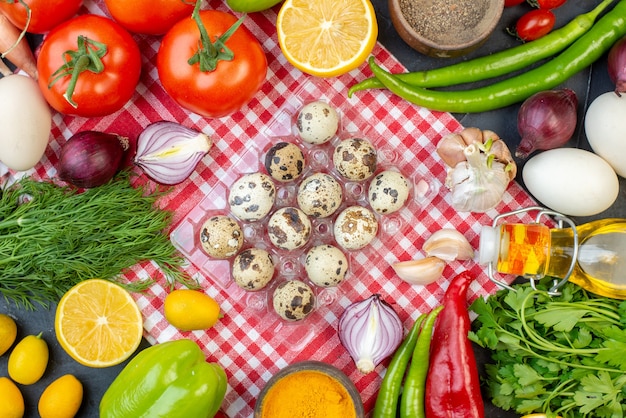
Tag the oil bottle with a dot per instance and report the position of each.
(592, 255)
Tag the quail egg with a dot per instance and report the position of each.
(221, 236)
(293, 300)
(289, 228)
(319, 195)
(284, 161)
(317, 122)
(388, 192)
(355, 159)
(326, 265)
(252, 196)
(253, 269)
(355, 227)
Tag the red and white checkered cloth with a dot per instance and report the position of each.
(252, 346)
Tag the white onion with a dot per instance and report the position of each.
(169, 152)
(371, 331)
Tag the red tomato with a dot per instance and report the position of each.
(45, 14)
(511, 3)
(95, 94)
(217, 93)
(535, 24)
(547, 4)
(152, 17)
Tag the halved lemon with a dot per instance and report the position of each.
(326, 38)
(98, 323)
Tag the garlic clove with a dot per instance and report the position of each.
(448, 244)
(420, 272)
(450, 149)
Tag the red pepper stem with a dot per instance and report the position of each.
(210, 53)
(87, 57)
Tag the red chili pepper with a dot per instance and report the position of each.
(453, 385)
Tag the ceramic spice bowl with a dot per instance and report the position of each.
(445, 28)
(309, 388)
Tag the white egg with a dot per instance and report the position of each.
(26, 121)
(605, 127)
(571, 181)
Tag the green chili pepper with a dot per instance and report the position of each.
(170, 379)
(412, 403)
(498, 63)
(582, 53)
(389, 392)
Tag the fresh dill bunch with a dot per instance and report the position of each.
(52, 237)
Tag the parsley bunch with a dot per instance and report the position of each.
(562, 355)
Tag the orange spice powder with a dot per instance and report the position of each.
(308, 394)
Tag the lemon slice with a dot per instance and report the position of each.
(98, 323)
(326, 38)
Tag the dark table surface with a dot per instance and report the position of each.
(588, 84)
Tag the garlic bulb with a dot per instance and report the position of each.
(371, 331)
(480, 168)
(477, 184)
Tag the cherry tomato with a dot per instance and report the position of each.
(534, 24)
(511, 3)
(222, 91)
(152, 17)
(547, 4)
(45, 14)
(95, 93)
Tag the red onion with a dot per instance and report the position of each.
(617, 66)
(90, 158)
(546, 120)
(371, 331)
(168, 152)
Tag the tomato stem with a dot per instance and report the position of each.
(87, 57)
(210, 53)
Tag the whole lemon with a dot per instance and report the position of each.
(188, 310)
(61, 398)
(8, 333)
(11, 399)
(28, 360)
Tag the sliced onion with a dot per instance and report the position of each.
(371, 331)
(546, 120)
(617, 66)
(169, 152)
(90, 158)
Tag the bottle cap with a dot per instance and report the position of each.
(488, 245)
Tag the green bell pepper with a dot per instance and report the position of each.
(171, 379)
(249, 6)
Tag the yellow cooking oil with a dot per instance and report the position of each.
(534, 250)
